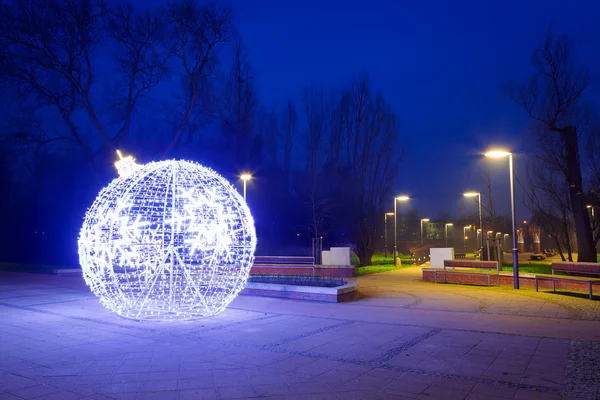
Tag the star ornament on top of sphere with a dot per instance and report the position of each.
(167, 240)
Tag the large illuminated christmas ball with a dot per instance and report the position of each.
(167, 240)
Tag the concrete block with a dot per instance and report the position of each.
(438, 255)
(325, 257)
(340, 256)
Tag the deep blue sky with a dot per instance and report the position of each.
(439, 63)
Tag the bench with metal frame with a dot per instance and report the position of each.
(285, 262)
(573, 268)
(471, 264)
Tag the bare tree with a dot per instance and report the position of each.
(141, 57)
(319, 215)
(546, 196)
(593, 163)
(369, 157)
(47, 52)
(197, 35)
(551, 98)
(269, 127)
(317, 114)
(239, 104)
(489, 207)
(290, 125)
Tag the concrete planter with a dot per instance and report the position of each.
(336, 294)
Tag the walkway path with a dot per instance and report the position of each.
(404, 339)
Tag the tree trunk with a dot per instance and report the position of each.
(559, 248)
(364, 256)
(585, 243)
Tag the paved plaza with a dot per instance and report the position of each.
(404, 339)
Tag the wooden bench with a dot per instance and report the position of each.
(267, 261)
(572, 268)
(284, 262)
(470, 264)
(550, 252)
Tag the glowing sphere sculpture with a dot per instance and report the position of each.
(167, 240)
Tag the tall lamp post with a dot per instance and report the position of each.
(465, 236)
(396, 200)
(478, 195)
(423, 220)
(245, 178)
(447, 225)
(385, 230)
(515, 250)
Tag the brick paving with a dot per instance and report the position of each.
(404, 339)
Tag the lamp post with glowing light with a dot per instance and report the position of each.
(465, 236)
(396, 200)
(447, 225)
(478, 194)
(245, 178)
(515, 250)
(423, 220)
(385, 230)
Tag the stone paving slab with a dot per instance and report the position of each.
(411, 343)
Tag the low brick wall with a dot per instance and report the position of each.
(342, 272)
(505, 279)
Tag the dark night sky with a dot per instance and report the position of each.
(439, 63)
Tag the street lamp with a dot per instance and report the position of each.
(515, 251)
(465, 236)
(396, 200)
(478, 194)
(245, 178)
(447, 225)
(423, 220)
(385, 230)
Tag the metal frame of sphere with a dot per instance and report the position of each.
(167, 240)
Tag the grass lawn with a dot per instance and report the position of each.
(380, 263)
(529, 268)
(373, 269)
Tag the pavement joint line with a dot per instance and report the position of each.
(59, 302)
(393, 368)
(427, 326)
(232, 324)
(405, 346)
(109, 323)
(96, 321)
(372, 364)
(415, 299)
(307, 334)
(31, 295)
(495, 313)
(273, 348)
(473, 379)
(484, 304)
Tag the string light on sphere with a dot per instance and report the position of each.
(167, 240)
